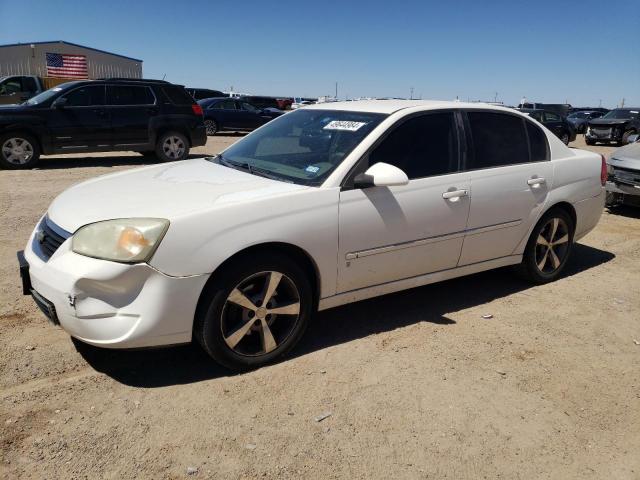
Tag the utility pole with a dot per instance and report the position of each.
(411, 96)
(622, 104)
(600, 104)
(495, 98)
(336, 90)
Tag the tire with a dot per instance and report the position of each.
(211, 126)
(589, 142)
(565, 138)
(18, 151)
(172, 146)
(234, 335)
(625, 137)
(611, 199)
(540, 263)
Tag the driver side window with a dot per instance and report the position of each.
(86, 97)
(421, 147)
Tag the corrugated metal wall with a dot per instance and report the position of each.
(25, 60)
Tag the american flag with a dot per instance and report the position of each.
(62, 65)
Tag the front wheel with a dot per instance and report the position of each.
(589, 142)
(18, 151)
(172, 146)
(625, 137)
(549, 247)
(565, 138)
(255, 311)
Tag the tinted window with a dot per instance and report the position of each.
(29, 84)
(249, 107)
(421, 146)
(10, 86)
(537, 143)
(551, 117)
(226, 105)
(85, 97)
(498, 139)
(126, 95)
(178, 95)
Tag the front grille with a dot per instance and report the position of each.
(628, 176)
(601, 132)
(49, 237)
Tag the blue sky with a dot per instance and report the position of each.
(549, 51)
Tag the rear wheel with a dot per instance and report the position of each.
(211, 126)
(625, 137)
(18, 151)
(589, 142)
(255, 311)
(549, 247)
(172, 146)
(565, 138)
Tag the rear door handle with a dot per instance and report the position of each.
(455, 195)
(534, 182)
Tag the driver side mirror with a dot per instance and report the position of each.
(381, 175)
(60, 103)
(633, 138)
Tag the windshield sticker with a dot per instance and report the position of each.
(343, 125)
(312, 169)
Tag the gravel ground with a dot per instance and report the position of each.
(416, 384)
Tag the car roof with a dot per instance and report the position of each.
(392, 106)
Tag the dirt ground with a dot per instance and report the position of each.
(417, 384)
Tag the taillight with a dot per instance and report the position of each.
(197, 109)
(603, 171)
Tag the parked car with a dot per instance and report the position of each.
(234, 114)
(616, 126)
(284, 103)
(301, 103)
(260, 102)
(562, 109)
(580, 119)
(15, 89)
(324, 206)
(148, 116)
(623, 184)
(202, 93)
(557, 124)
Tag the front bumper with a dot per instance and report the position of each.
(611, 134)
(614, 187)
(111, 304)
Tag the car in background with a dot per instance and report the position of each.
(581, 118)
(234, 114)
(616, 126)
(562, 109)
(284, 103)
(202, 93)
(324, 206)
(147, 116)
(260, 102)
(554, 122)
(623, 174)
(301, 103)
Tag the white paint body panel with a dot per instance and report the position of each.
(363, 243)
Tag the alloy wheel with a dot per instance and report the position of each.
(211, 127)
(565, 138)
(260, 313)
(552, 245)
(173, 147)
(17, 151)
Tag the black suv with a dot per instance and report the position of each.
(554, 122)
(616, 126)
(115, 114)
(202, 93)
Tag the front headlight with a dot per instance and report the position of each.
(127, 240)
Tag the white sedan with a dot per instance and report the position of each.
(327, 205)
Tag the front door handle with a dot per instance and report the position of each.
(536, 182)
(455, 195)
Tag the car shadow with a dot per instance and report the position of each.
(151, 368)
(624, 211)
(56, 163)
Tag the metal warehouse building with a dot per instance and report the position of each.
(31, 59)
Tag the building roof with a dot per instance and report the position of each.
(391, 106)
(73, 44)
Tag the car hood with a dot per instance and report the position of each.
(608, 121)
(626, 157)
(169, 190)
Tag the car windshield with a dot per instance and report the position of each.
(48, 94)
(578, 115)
(619, 113)
(301, 147)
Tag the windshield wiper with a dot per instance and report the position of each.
(252, 169)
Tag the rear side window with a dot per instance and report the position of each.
(498, 139)
(537, 143)
(85, 96)
(421, 147)
(178, 95)
(128, 95)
